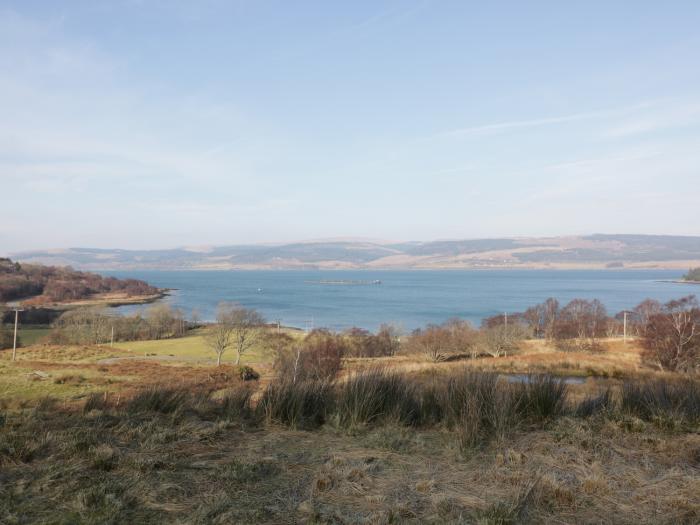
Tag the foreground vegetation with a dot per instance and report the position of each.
(375, 447)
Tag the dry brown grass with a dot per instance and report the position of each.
(185, 469)
(197, 465)
(614, 359)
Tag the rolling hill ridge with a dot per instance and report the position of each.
(593, 251)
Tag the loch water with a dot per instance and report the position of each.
(409, 299)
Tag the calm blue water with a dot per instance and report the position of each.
(409, 299)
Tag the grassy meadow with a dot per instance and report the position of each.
(193, 349)
(152, 432)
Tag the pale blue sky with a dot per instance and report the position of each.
(157, 123)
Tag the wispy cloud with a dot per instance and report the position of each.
(387, 16)
(509, 125)
(666, 115)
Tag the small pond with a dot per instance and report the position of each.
(525, 378)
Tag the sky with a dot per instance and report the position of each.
(153, 124)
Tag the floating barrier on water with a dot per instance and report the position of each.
(345, 282)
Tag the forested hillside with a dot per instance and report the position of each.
(52, 284)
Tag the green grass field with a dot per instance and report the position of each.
(193, 348)
(18, 381)
(32, 335)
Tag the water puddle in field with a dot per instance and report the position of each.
(524, 378)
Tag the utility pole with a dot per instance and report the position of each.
(14, 343)
(278, 326)
(505, 319)
(624, 327)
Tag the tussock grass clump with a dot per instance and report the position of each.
(70, 379)
(96, 401)
(301, 404)
(22, 447)
(544, 397)
(236, 404)
(376, 394)
(103, 457)
(591, 405)
(480, 407)
(469, 392)
(163, 400)
(663, 399)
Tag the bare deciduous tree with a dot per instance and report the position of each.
(433, 342)
(236, 327)
(84, 326)
(643, 312)
(318, 357)
(672, 337)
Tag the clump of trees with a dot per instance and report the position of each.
(52, 284)
(317, 357)
(236, 327)
(96, 326)
(671, 335)
(578, 325)
(363, 343)
(440, 342)
(692, 275)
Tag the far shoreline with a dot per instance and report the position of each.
(390, 269)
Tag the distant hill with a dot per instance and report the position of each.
(593, 251)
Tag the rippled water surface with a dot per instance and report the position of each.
(340, 299)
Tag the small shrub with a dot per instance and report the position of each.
(246, 373)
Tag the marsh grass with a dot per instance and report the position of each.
(591, 405)
(544, 397)
(375, 395)
(302, 404)
(237, 404)
(158, 399)
(165, 455)
(664, 401)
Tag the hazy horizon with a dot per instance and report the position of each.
(150, 125)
